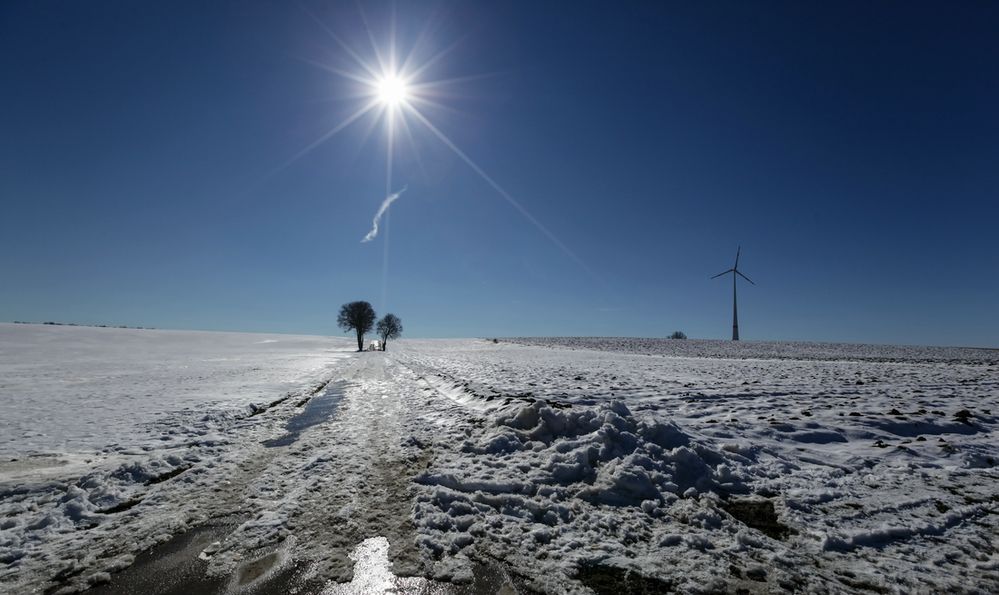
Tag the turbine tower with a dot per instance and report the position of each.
(735, 307)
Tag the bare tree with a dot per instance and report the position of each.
(359, 317)
(389, 327)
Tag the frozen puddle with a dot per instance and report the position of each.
(372, 576)
(318, 410)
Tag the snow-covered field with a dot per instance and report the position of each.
(798, 350)
(555, 465)
(91, 385)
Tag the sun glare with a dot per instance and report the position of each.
(396, 90)
(392, 90)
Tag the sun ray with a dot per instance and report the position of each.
(436, 84)
(404, 125)
(390, 115)
(346, 48)
(433, 59)
(393, 67)
(421, 41)
(371, 38)
(332, 69)
(325, 137)
(499, 189)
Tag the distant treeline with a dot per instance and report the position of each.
(50, 323)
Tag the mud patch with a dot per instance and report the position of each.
(252, 571)
(171, 568)
(759, 515)
(611, 581)
(177, 567)
(122, 507)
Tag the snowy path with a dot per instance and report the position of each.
(347, 479)
(567, 470)
(295, 510)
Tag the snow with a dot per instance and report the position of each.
(880, 462)
(565, 463)
(92, 384)
(769, 350)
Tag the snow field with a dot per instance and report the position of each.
(881, 474)
(569, 469)
(95, 387)
(172, 449)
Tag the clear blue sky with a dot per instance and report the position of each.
(851, 148)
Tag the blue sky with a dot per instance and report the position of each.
(849, 148)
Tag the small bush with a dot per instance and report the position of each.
(678, 335)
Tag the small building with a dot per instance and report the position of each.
(375, 345)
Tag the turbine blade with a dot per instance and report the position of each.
(744, 277)
(737, 251)
(724, 273)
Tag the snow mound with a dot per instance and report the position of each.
(537, 472)
(621, 459)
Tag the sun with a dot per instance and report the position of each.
(395, 89)
(392, 90)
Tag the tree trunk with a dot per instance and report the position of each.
(360, 341)
(384, 344)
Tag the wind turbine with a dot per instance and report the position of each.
(735, 307)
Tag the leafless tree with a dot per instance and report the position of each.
(389, 327)
(358, 317)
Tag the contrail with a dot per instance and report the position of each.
(391, 198)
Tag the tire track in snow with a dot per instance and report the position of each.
(345, 480)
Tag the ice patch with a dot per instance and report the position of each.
(373, 574)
